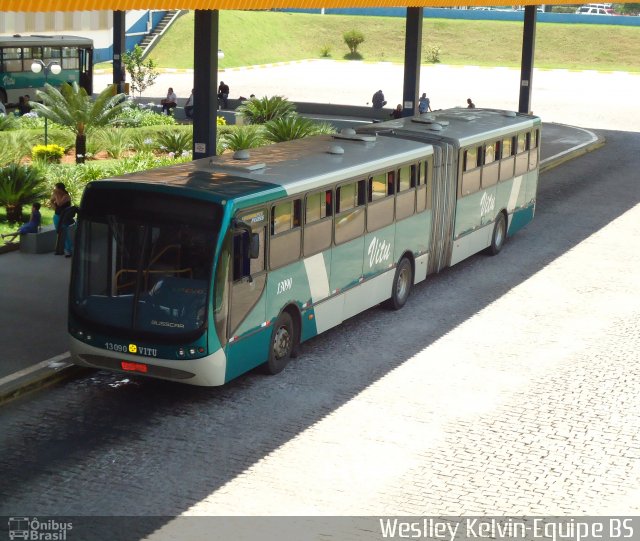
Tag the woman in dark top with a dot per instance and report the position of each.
(60, 201)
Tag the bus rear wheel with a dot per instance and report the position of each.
(499, 235)
(402, 284)
(283, 344)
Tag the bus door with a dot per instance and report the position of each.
(444, 206)
(86, 69)
(247, 345)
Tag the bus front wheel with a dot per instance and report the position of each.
(402, 283)
(499, 235)
(283, 344)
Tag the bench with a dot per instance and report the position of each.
(42, 242)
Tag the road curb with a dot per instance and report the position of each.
(38, 376)
(597, 141)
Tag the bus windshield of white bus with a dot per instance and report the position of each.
(144, 261)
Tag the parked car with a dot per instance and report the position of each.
(595, 9)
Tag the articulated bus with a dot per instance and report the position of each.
(200, 272)
(17, 54)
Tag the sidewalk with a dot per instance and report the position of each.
(34, 297)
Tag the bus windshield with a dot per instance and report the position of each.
(143, 261)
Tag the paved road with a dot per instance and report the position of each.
(507, 385)
(580, 98)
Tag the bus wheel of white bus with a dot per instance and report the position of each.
(402, 283)
(499, 235)
(283, 344)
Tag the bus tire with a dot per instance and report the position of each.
(499, 235)
(402, 284)
(282, 346)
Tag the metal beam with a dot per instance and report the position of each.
(528, 50)
(412, 57)
(119, 47)
(205, 83)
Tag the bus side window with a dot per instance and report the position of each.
(349, 220)
(491, 167)
(522, 156)
(377, 187)
(507, 158)
(284, 246)
(380, 208)
(318, 224)
(533, 152)
(471, 172)
(406, 198)
(12, 57)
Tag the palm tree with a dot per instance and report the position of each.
(20, 185)
(72, 108)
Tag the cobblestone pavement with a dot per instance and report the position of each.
(507, 385)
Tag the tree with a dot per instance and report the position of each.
(630, 9)
(20, 185)
(353, 39)
(72, 108)
(143, 74)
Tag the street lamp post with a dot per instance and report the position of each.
(52, 67)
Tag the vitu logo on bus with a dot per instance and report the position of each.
(487, 203)
(285, 285)
(379, 251)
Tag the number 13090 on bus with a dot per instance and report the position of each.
(200, 272)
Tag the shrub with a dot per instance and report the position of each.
(47, 153)
(134, 115)
(432, 54)
(7, 122)
(244, 137)
(175, 142)
(325, 51)
(20, 185)
(74, 176)
(15, 145)
(261, 110)
(115, 141)
(142, 142)
(63, 138)
(30, 121)
(353, 39)
(220, 121)
(288, 128)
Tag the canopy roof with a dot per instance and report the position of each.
(124, 5)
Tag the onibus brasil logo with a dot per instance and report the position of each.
(38, 530)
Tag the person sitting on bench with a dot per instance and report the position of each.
(30, 227)
(169, 102)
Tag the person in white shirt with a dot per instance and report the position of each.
(169, 102)
(188, 107)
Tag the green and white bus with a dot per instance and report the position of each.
(491, 190)
(200, 272)
(18, 53)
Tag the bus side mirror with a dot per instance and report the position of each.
(254, 238)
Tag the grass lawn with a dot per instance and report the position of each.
(263, 37)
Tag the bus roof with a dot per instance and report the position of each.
(459, 126)
(295, 166)
(18, 40)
